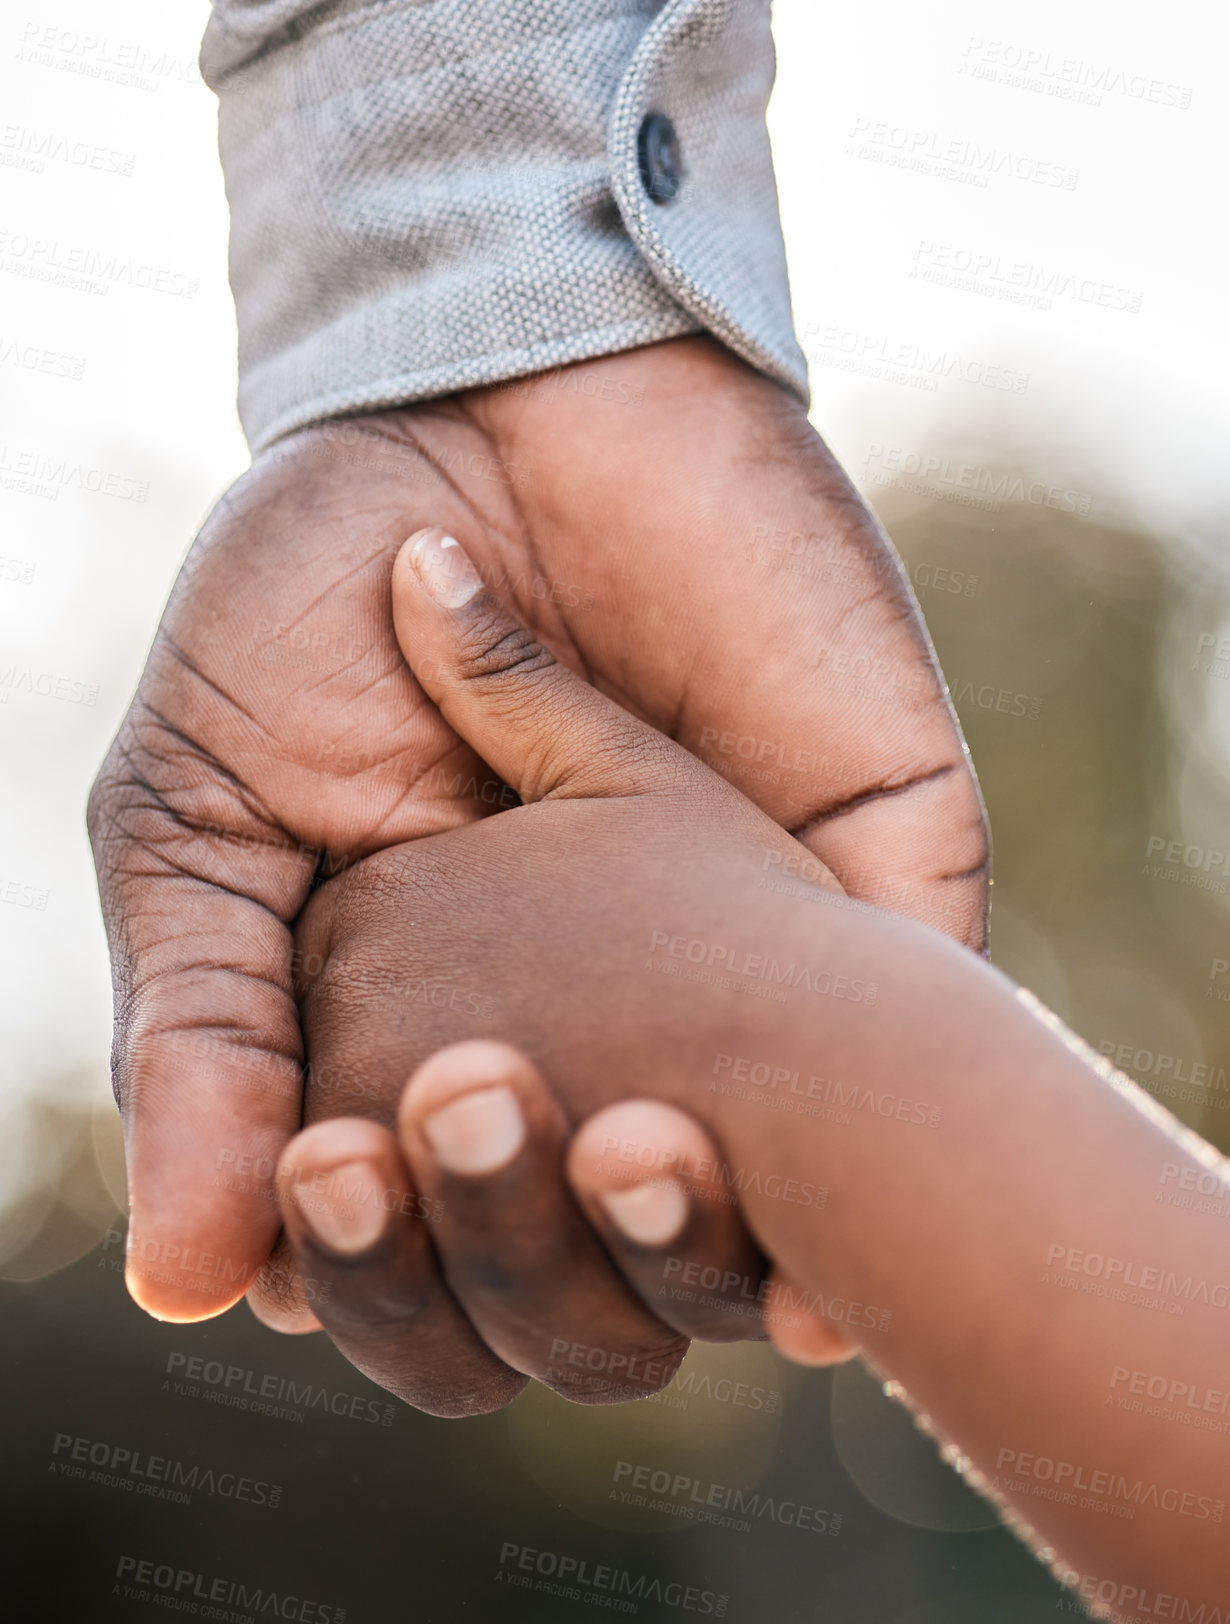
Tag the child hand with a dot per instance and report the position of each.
(550, 923)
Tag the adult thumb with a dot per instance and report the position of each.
(538, 725)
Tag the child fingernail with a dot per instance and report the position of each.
(478, 1133)
(648, 1214)
(444, 569)
(344, 1208)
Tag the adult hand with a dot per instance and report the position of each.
(450, 1258)
(629, 943)
(645, 514)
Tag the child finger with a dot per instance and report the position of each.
(486, 1139)
(360, 1235)
(661, 1194)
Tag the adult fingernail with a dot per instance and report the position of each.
(444, 569)
(477, 1133)
(344, 1208)
(649, 1214)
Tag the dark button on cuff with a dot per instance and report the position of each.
(660, 158)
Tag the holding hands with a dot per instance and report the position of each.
(278, 736)
(556, 905)
(615, 949)
(622, 928)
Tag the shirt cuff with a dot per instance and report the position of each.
(427, 197)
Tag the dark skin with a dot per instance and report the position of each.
(564, 941)
(699, 557)
(460, 1285)
(981, 1158)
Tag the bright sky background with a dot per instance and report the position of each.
(139, 384)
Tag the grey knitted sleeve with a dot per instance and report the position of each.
(431, 194)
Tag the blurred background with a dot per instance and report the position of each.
(1018, 360)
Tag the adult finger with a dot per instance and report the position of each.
(836, 720)
(536, 723)
(197, 894)
(754, 610)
